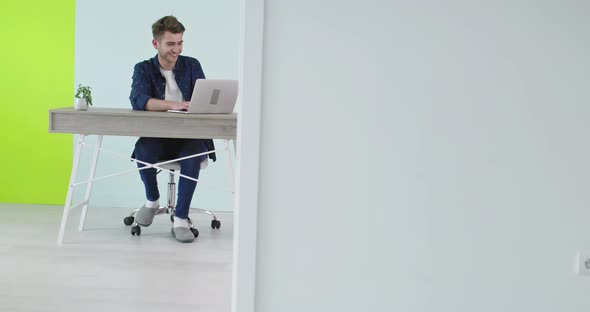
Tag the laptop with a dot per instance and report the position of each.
(211, 96)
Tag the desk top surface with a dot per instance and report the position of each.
(111, 111)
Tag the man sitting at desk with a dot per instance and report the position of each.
(166, 82)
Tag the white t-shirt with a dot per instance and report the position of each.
(172, 92)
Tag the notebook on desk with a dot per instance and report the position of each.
(211, 96)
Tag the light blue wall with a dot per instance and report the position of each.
(111, 37)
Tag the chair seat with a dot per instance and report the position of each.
(175, 165)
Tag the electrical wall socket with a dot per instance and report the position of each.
(583, 263)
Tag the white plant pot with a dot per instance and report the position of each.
(80, 104)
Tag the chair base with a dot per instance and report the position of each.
(170, 208)
(136, 229)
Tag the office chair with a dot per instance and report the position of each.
(171, 206)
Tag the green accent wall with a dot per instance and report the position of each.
(36, 74)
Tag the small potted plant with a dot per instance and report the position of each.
(83, 97)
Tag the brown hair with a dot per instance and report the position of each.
(166, 23)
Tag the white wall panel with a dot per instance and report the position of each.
(424, 156)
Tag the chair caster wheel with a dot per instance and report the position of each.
(128, 220)
(215, 224)
(136, 230)
(195, 232)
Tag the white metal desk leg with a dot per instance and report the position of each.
(230, 167)
(64, 217)
(89, 185)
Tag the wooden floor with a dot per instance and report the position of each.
(104, 268)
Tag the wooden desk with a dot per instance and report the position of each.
(127, 122)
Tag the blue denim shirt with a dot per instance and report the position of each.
(148, 82)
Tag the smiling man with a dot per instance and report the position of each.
(161, 83)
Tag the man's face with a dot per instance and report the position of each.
(169, 46)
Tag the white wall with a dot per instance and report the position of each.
(111, 37)
(424, 156)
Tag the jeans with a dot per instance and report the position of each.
(153, 150)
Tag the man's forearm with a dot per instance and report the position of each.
(158, 105)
